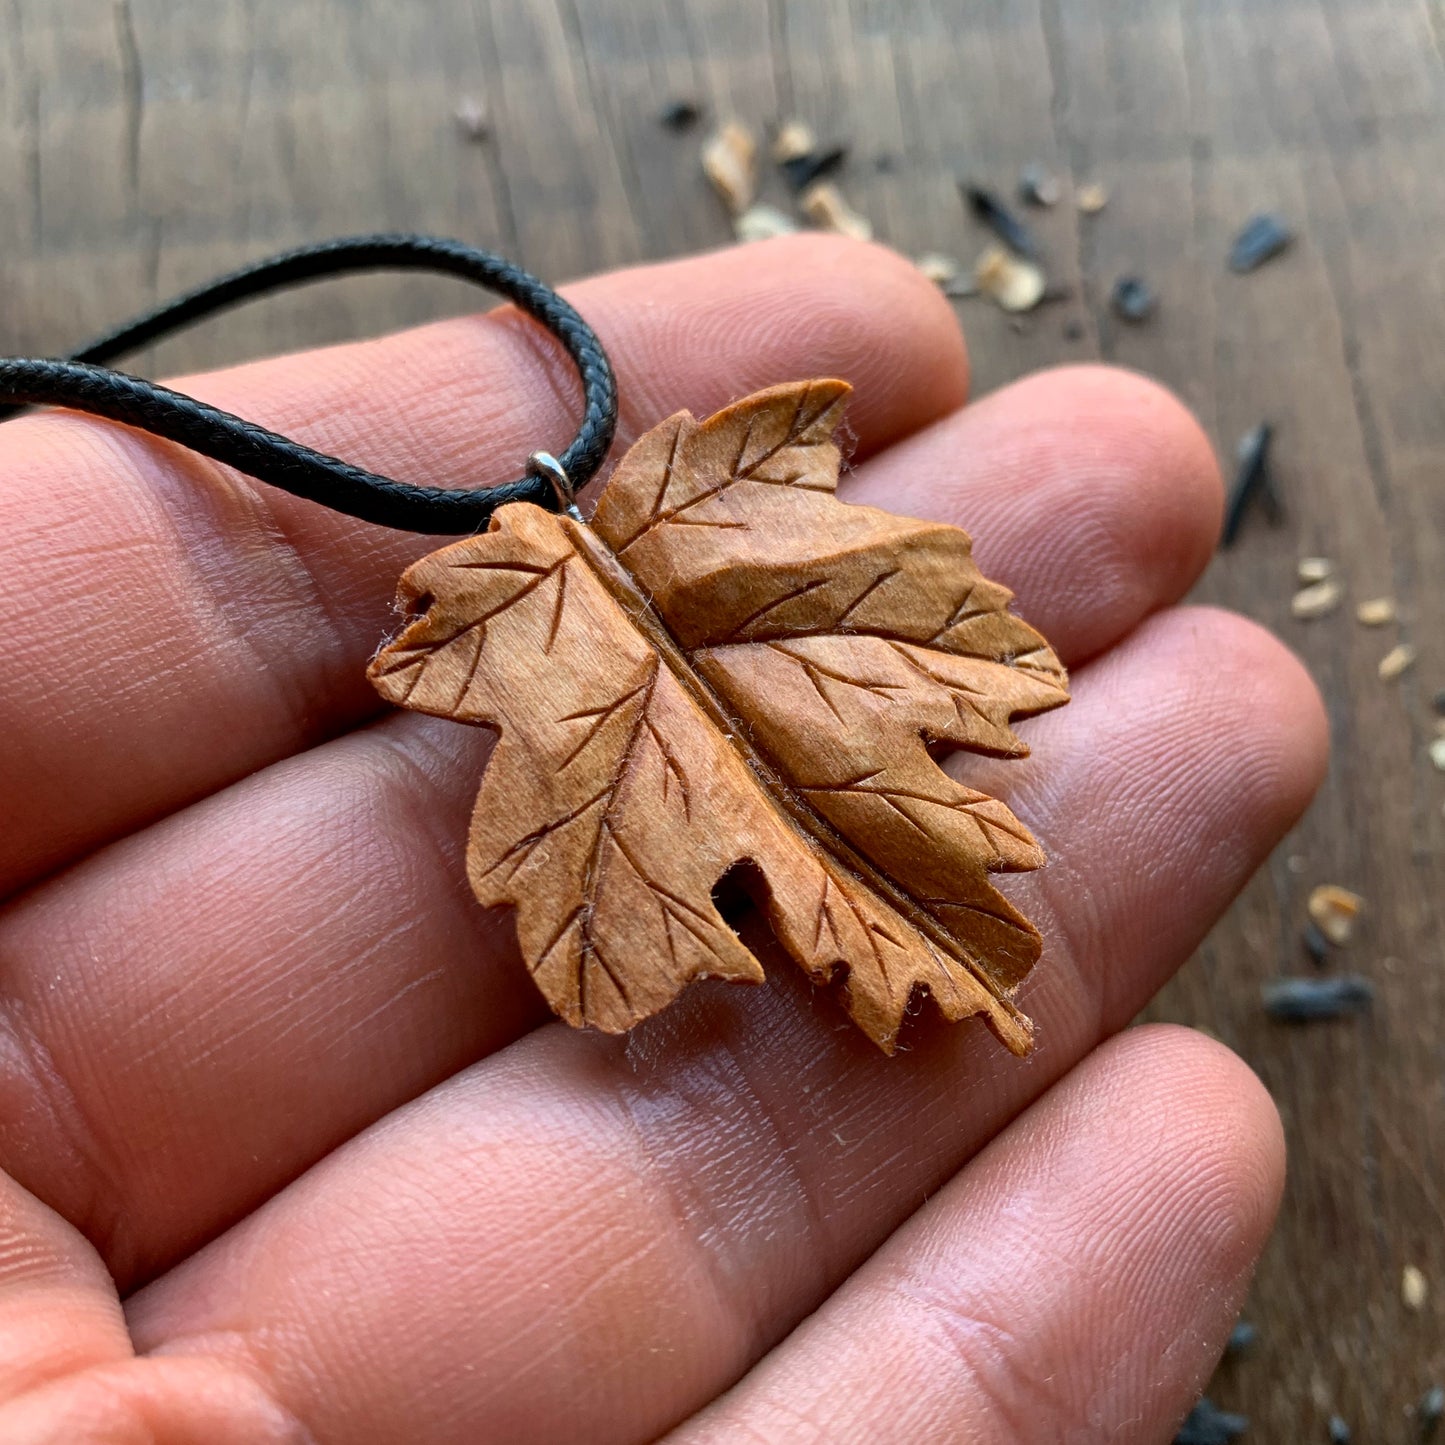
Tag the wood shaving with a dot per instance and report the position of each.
(1015, 284)
(792, 141)
(1414, 1288)
(1309, 1000)
(1091, 198)
(1314, 569)
(1396, 662)
(1133, 299)
(1207, 1424)
(1437, 754)
(1263, 236)
(473, 122)
(939, 269)
(679, 114)
(729, 160)
(1253, 485)
(1334, 910)
(988, 210)
(1430, 1411)
(1317, 599)
(762, 222)
(1376, 612)
(824, 205)
(1039, 186)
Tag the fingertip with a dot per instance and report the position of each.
(799, 306)
(1276, 716)
(1165, 459)
(1090, 491)
(868, 277)
(1229, 1149)
(1139, 472)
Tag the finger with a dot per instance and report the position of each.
(529, 1241)
(58, 1307)
(176, 626)
(308, 940)
(1078, 1278)
(67, 1368)
(1088, 490)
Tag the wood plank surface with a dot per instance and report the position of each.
(147, 144)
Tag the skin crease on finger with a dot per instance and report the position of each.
(369, 975)
(590, 1236)
(175, 626)
(1075, 1282)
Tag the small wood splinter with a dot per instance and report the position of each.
(732, 676)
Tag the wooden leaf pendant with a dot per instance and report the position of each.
(730, 669)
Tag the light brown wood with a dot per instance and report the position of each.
(731, 671)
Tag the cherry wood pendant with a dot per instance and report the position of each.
(731, 673)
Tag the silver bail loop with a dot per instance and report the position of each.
(544, 464)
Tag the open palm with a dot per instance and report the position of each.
(292, 1151)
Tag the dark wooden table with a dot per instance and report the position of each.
(147, 144)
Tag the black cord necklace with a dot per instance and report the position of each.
(82, 382)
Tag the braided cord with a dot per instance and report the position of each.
(82, 382)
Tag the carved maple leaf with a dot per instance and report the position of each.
(730, 668)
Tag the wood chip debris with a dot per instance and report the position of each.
(940, 269)
(1430, 1411)
(1314, 569)
(472, 121)
(1307, 1000)
(824, 205)
(762, 222)
(1397, 662)
(988, 210)
(796, 150)
(679, 114)
(1091, 198)
(1038, 186)
(1414, 1288)
(1333, 910)
(1261, 238)
(793, 139)
(802, 171)
(1437, 754)
(1253, 484)
(1207, 1424)
(1133, 299)
(1377, 612)
(729, 160)
(1014, 283)
(1317, 600)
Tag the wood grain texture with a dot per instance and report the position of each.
(143, 150)
(730, 669)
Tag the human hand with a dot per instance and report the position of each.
(268, 1074)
